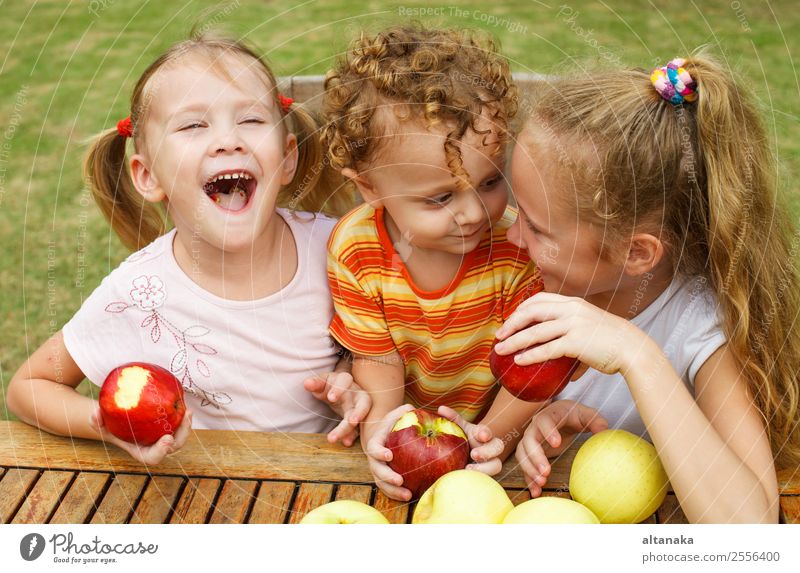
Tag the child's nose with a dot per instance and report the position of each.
(227, 141)
(472, 211)
(515, 233)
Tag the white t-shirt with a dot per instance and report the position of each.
(685, 322)
(242, 363)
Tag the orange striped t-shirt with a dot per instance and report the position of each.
(443, 337)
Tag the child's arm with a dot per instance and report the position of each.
(715, 449)
(42, 393)
(383, 377)
(507, 418)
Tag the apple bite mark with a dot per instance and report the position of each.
(231, 190)
(132, 381)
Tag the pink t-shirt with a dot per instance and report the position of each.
(242, 363)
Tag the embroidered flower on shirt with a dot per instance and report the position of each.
(148, 294)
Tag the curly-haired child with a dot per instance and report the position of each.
(422, 274)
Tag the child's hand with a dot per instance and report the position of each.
(148, 455)
(378, 455)
(346, 398)
(570, 327)
(484, 449)
(571, 418)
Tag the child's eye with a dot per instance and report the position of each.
(439, 199)
(488, 184)
(190, 126)
(256, 120)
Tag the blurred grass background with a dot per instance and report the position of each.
(68, 69)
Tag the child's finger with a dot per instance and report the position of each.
(490, 467)
(182, 434)
(360, 409)
(536, 334)
(383, 473)
(343, 429)
(532, 459)
(452, 415)
(590, 418)
(338, 384)
(487, 451)
(316, 386)
(548, 430)
(393, 491)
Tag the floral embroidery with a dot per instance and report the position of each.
(149, 294)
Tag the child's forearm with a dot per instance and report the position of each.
(508, 417)
(53, 407)
(712, 482)
(383, 377)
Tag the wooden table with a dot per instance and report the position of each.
(225, 477)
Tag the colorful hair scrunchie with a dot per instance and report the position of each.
(674, 83)
(125, 127)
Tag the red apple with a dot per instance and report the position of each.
(425, 447)
(535, 382)
(141, 402)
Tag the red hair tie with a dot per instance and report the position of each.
(125, 127)
(285, 102)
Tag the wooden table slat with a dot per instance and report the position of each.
(82, 498)
(120, 499)
(395, 511)
(361, 493)
(309, 496)
(42, 501)
(670, 511)
(790, 506)
(234, 501)
(156, 503)
(272, 502)
(14, 486)
(518, 496)
(196, 500)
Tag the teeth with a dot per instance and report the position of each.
(240, 175)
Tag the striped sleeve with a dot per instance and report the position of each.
(359, 323)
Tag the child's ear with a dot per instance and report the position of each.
(290, 159)
(645, 251)
(367, 190)
(145, 180)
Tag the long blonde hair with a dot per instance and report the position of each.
(138, 222)
(704, 172)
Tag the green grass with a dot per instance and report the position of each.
(66, 72)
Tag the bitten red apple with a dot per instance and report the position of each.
(141, 402)
(425, 447)
(535, 382)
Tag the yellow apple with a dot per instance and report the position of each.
(344, 511)
(463, 496)
(619, 477)
(551, 510)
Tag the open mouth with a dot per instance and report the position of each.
(231, 190)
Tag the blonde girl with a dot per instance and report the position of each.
(649, 203)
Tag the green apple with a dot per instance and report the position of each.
(463, 496)
(619, 477)
(344, 511)
(551, 510)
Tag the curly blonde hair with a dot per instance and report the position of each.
(447, 77)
